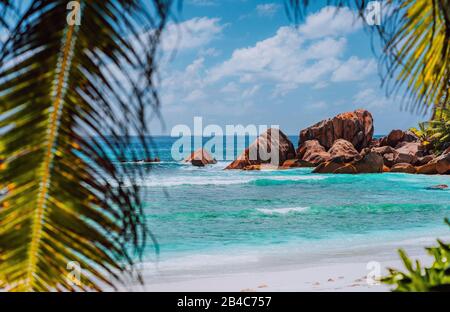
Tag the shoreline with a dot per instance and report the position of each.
(329, 270)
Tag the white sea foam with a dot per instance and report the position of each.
(161, 181)
(282, 211)
(196, 181)
(295, 178)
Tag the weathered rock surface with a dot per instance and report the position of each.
(273, 147)
(424, 160)
(261, 167)
(347, 169)
(343, 150)
(442, 163)
(355, 127)
(411, 148)
(429, 168)
(370, 162)
(296, 163)
(328, 167)
(312, 152)
(403, 167)
(200, 158)
(397, 136)
(388, 153)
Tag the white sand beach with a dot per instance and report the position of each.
(344, 270)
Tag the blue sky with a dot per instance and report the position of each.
(243, 62)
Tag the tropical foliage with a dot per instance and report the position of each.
(433, 278)
(70, 96)
(435, 134)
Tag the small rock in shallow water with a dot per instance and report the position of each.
(438, 187)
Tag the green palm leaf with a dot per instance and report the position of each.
(65, 121)
(420, 51)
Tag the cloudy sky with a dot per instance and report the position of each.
(243, 62)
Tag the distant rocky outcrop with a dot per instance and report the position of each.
(355, 127)
(200, 158)
(270, 143)
(345, 144)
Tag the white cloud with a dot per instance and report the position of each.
(193, 33)
(354, 69)
(195, 95)
(273, 67)
(289, 58)
(230, 87)
(285, 59)
(330, 21)
(183, 85)
(370, 98)
(203, 2)
(250, 92)
(209, 52)
(267, 9)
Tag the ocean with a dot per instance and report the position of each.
(209, 213)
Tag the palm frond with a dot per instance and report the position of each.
(418, 52)
(67, 116)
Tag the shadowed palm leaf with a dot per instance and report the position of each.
(66, 115)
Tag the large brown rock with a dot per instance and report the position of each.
(389, 159)
(393, 138)
(424, 160)
(371, 162)
(355, 127)
(397, 136)
(311, 151)
(388, 153)
(347, 169)
(429, 168)
(296, 163)
(344, 150)
(200, 158)
(442, 163)
(384, 150)
(403, 158)
(329, 167)
(403, 167)
(412, 148)
(272, 147)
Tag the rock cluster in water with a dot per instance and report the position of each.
(200, 158)
(260, 150)
(345, 144)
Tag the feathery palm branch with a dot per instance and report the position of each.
(66, 118)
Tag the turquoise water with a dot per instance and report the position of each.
(207, 210)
